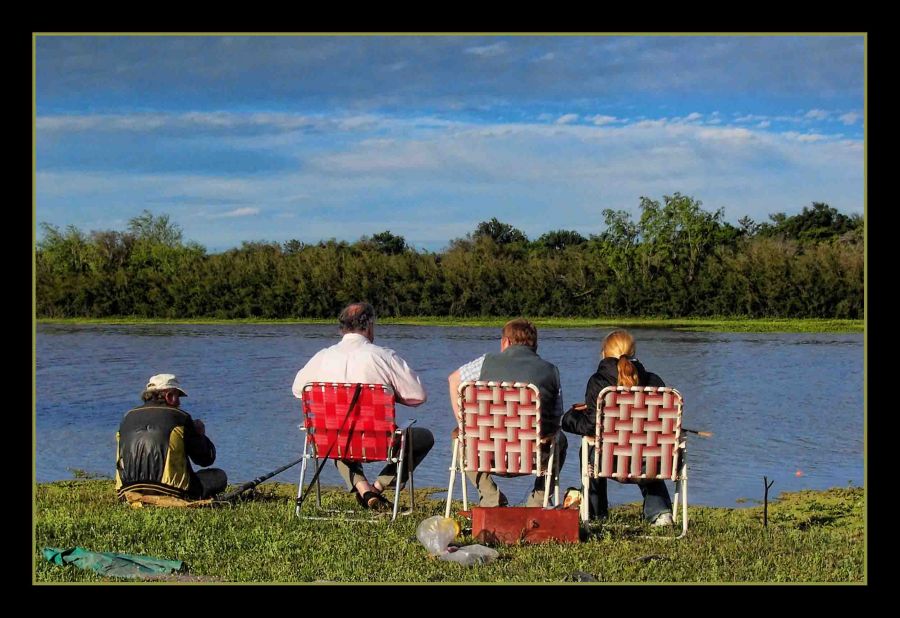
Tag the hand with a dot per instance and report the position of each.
(579, 407)
(199, 427)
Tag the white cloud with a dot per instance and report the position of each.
(600, 119)
(765, 124)
(240, 212)
(650, 124)
(805, 137)
(693, 116)
(567, 118)
(816, 114)
(489, 50)
(382, 180)
(222, 121)
(726, 134)
(850, 118)
(750, 118)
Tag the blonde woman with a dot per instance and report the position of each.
(618, 367)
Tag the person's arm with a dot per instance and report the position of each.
(408, 389)
(551, 421)
(579, 420)
(198, 447)
(307, 374)
(583, 420)
(468, 372)
(453, 381)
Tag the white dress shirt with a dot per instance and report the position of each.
(356, 359)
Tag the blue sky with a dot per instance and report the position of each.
(246, 138)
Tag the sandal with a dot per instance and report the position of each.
(373, 500)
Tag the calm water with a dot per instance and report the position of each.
(776, 403)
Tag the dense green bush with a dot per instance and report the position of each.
(677, 260)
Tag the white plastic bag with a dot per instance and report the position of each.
(436, 532)
(470, 555)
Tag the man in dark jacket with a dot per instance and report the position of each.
(155, 442)
(517, 361)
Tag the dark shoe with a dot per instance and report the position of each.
(375, 501)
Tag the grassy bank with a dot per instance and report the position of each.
(723, 324)
(811, 537)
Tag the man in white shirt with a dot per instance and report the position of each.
(356, 359)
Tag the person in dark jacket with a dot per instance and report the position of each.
(156, 443)
(618, 367)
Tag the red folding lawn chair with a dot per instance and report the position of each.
(368, 432)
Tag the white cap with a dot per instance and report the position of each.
(164, 382)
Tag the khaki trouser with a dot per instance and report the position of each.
(422, 441)
(490, 495)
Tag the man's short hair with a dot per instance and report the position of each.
(521, 332)
(148, 396)
(356, 318)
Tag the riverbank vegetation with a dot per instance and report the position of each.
(676, 261)
(811, 537)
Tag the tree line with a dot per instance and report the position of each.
(675, 260)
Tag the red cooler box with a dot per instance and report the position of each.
(531, 524)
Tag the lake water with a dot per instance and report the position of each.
(777, 404)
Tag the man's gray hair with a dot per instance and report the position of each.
(356, 318)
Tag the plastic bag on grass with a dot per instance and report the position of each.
(436, 532)
(471, 554)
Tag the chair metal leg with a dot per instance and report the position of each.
(548, 474)
(409, 481)
(302, 474)
(585, 479)
(399, 475)
(455, 449)
(462, 475)
(684, 512)
(556, 501)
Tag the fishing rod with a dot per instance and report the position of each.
(259, 479)
(702, 434)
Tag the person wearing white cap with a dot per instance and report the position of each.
(156, 443)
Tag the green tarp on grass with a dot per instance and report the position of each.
(113, 565)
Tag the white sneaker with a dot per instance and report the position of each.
(663, 519)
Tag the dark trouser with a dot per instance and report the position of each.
(208, 483)
(422, 441)
(488, 493)
(655, 493)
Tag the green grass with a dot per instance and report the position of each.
(718, 324)
(811, 537)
